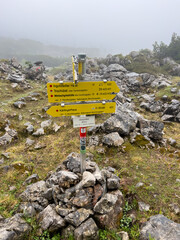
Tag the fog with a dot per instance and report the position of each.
(116, 26)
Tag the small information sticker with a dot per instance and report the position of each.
(87, 121)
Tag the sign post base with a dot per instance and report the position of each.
(83, 148)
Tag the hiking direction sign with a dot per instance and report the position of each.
(82, 109)
(82, 91)
(89, 98)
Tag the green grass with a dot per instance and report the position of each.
(167, 90)
(60, 69)
(141, 65)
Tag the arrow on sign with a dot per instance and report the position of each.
(83, 91)
(82, 109)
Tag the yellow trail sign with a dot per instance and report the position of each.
(82, 91)
(82, 109)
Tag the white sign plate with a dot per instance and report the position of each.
(86, 121)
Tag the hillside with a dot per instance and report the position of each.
(30, 50)
(146, 156)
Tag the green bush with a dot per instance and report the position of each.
(46, 236)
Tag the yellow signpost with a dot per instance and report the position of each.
(74, 70)
(83, 91)
(82, 109)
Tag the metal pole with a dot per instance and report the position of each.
(81, 65)
(81, 72)
(83, 148)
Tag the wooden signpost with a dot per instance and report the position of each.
(81, 93)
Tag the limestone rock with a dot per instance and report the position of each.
(72, 162)
(139, 184)
(63, 179)
(5, 139)
(29, 142)
(172, 141)
(1, 160)
(88, 179)
(151, 129)
(93, 140)
(46, 124)
(79, 216)
(27, 209)
(105, 205)
(113, 183)
(8, 136)
(35, 193)
(19, 104)
(143, 206)
(56, 127)
(62, 211)
(95, 129)
(123, 235)
(167, 117)
(155, 106)
(98, 193)
(160, 228)
(32, 179)
(116, 68)
(175, 208)
(98, 175)
(12, 188)
(39, 146)
(14, 228)
(39, 132)
(83, 198)
(109, 210)
(29, 126)
(113, 139)
(174, 90)
(50, 220)
(173, 109)
(123, 122)
(6, 155)
(87, 231)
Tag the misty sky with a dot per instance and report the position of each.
(118, 26)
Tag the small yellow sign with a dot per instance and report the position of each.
(82, 91)
(82, 109)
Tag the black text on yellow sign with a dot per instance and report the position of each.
(83, 91)
(82, 109)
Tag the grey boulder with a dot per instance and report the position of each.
(14, 228)
(151, 129)
(160, 228)
(19, 104)
(72, 162)
(113, 139)
(79, 216)
(63, 179)
(115, 68)
(123, 122)
(50, 220)
(108, 210)
(88, 179)
(35, 193)
(87, 231)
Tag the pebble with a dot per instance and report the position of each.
(143, 206)
(6, 155)
(1, 160)
(139, 184)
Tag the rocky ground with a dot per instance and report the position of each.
(140, 143)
